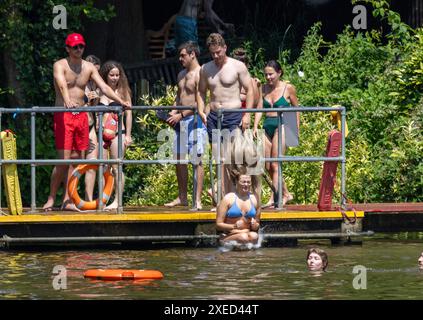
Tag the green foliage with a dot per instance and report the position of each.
(154, 184)
(27, 34)
(378, 78)
(34, 44)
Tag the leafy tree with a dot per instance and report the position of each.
(29, 46)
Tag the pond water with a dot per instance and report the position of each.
(209, 273)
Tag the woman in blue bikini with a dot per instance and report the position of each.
(275, 94)
(238, 213)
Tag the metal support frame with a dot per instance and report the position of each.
(33, 162)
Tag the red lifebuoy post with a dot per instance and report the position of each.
(327, 183)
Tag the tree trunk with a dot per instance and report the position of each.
(17, 99)
(122, 38)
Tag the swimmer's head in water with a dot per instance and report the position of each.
(317, 259)
(421, 261)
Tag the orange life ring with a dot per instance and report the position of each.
(73, 187)
(122, 274)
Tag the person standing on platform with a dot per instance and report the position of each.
(184, 124)
(71, 130)
(224, 78)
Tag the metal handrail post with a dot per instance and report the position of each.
(194, 165)
(1, 165)
(33, 165)
(343, 163)
(218, 160)
(120, 165)
(280, 177)
(101, 166)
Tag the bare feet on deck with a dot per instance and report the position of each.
(271, 205)
(210, 193)
(69, 206)
(197, 207)
(48, 206)
(112, 207)
(289, 197)
(176, 202)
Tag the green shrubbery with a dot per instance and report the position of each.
(28, 37)
(378, 78)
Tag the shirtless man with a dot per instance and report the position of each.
(184, 139)
(224, 77)
(186, 21)
(71, 76)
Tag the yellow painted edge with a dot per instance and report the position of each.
(171, 216)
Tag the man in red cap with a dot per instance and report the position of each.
(71, 129)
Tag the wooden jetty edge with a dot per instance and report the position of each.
(150, 225)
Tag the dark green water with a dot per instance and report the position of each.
(265, 273)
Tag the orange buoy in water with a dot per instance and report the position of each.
(122, 274)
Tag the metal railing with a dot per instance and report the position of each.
(34, 162)
(281, 158)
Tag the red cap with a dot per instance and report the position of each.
(74, 39)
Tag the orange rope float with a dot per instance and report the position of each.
(122, 274)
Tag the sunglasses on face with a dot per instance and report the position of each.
(79, 46)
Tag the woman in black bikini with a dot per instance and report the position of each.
(113, 74)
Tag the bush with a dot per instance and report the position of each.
(378, 78)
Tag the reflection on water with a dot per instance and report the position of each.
(210, 273)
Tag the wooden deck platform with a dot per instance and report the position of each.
(158, 224)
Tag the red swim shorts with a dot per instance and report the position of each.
(71, 131)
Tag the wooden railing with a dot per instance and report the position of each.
(151, 77)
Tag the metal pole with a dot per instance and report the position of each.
(280, 177)
(120, 165)
(1, 157)
(33, 165)
(343, 163)
(9, 240)
(218, 160)
(101, 166)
